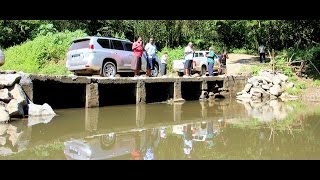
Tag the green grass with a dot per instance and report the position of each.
(44, 54)
(294, 91)
(254, 69)
(316, 83)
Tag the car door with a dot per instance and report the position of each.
(128, 54)
(119, 54)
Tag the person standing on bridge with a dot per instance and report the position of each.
(137, 48)
(151, 50)
(188, 57)
(164, 60)
(210, 58)
(223, 63)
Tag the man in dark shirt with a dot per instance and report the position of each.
(262, 52)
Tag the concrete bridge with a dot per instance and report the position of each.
(78, 91)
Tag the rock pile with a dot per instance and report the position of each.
(13, 101)
(266, 85)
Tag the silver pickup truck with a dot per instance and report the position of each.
(199, 65)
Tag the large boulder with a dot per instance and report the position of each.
(276, 81)
(17, 93)
(25, 78)
(275, 90)
(8, 80)
(40, 110)
(290, 85)
(247, 87)
(4, 95)
(204, 95)
(265, 86)
(283, 77)
(4, 115)
(15, 108)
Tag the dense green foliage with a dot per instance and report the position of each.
(247, 34)
(44, 54)
(290, 37)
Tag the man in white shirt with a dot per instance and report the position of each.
(188, 55)
(151, 50)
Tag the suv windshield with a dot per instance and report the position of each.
(80, 44)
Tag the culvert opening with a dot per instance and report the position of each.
(59, 95)
(191, 90)
(117, 94)
(158, 92)
(213, 86)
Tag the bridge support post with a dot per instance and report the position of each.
(140, 92)
(92, 95)
(177, 96)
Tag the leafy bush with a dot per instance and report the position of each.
(297, 89)
(173, 54)
(43, 54)
(310, 55)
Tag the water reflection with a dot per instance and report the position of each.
(267, 110)
(14, 137)
(33, 120)
(218, 129)
(138, 144)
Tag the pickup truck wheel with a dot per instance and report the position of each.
(109, 69)
(180, 74)
(203, 70)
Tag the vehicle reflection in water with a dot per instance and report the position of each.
(139, 143)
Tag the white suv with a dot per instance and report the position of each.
(1, 57)
(103, 55)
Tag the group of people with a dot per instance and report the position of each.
(222, 60)
(150, 49)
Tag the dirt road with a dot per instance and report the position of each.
(237, 61)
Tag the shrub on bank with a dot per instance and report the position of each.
(43, 54)
(173, 54)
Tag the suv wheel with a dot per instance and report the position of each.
(155, 71)
(107, 140)
(109, 69)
